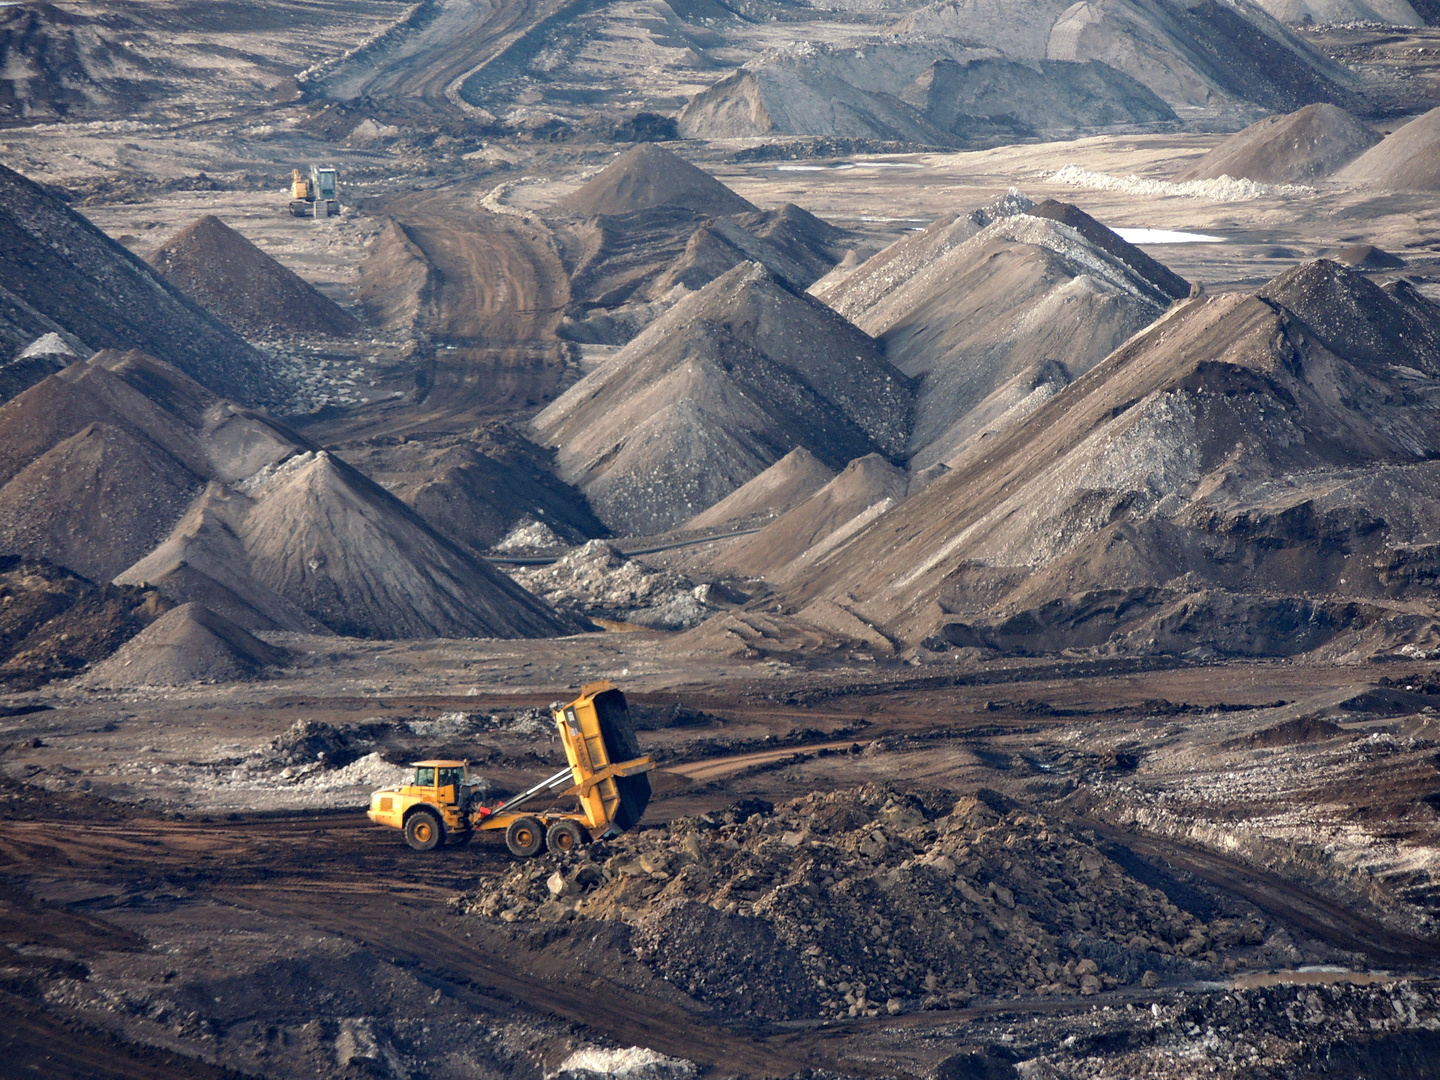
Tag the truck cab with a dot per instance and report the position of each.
(432, 805)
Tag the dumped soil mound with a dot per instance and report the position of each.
(98, 462)
(627, 268)
(396, 279)
(344, 550)
(234, 279)
(62, 65)
(188, 644)
(62, 273)
(1046, 99)
(869, 900)
(784, 485)
(649, 176)
(1408, 160)
(1369, 257)
(1193, 53)
(714, 392)
(474, 489)
(866, 488)
(1307, 144)
(992, 327)
(54, 623)
(95, 502)
(1390, 12)
(1115, 516)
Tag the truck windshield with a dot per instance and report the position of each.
(452, 776)
(425, 776)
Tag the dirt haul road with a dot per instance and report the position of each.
(427, 58)
(491, 311)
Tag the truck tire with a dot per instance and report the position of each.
(564, 836)
(621, 745)
(524, 837)
(423, 831)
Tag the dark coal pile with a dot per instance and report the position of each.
(1369, 257)
(713, 393)
(188, 644)
(1307, 144)
(871, 900)
(649, 176)
(475, 488)
(44, 356)
(62, 64)
(53, 623)
(233, 279)
(61, 273)
(1405, 161)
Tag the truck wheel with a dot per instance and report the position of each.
(524, 837)
(564, 836)
(423, 831)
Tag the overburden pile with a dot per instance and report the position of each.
(713, 393)
(1304, 145)
(61, 274)
(1251, 475)
(868, 900)
(122, 468)
(233, 279)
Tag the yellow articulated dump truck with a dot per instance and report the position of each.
(605, 773)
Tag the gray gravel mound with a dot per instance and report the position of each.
(714, 392)
(1307, 144)
(188, 644)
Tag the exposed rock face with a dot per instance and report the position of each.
(714, 392)
(61, 274)
(233, 279)
(1307, 144)
(1252, 474)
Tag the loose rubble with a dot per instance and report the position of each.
(871, 900)
(596, 580)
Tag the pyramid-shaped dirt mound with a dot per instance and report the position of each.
(784, 485)
(995, 325)
(714, 392)
(1369, 257)
(1200, 487)
(99, 461)
(1309, 143)
(61, 273)
(187, 644)
(232, 278)
(650, 176)
(350, 554)
(865, 489)
(1408, 160)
